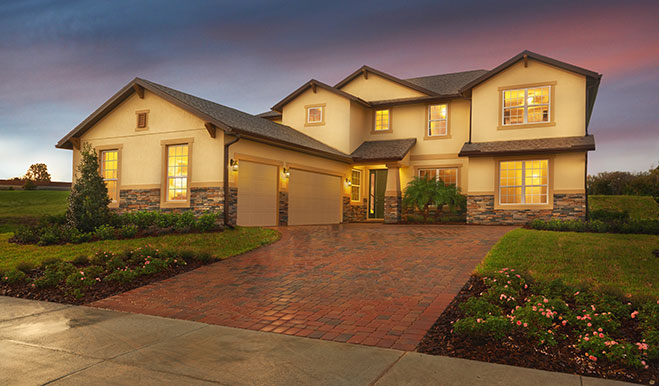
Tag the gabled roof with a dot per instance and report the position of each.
(225, 118)
(447, 84)
(367, 69)
(528, 146)
(270, 115)
(313, 83)
(387, 150)
(592, 77)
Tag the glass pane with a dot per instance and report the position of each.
(315, 114)
(112, 189)
(538, 114)
(355, 193)
(382, 120)
(449, 176)
(438, 112)
(356, 178)
(513, 98)
(429, 173)
(538, 96)
(513, 116)
(437, 128)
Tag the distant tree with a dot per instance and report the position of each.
(625, 183)
(37, 173)
(88, 201)
(29, 185)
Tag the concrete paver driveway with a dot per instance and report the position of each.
(373, 284)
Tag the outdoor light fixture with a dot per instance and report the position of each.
(287, 172)
(348, 182)
(234, 165)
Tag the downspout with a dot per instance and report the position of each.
(586, 186)
(470, 118)
(227, 194)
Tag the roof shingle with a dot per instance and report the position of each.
(447, 84)
(528, 146)
(389, 150)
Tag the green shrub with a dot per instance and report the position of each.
(204, 257)
(601, 345)
(29, 185)
(102, 257)
(105, 232)
(480, 307)
(184, 222)
(80, 260)
(128, 231)
(541, 319)
(26, 235)
(88, 201)
(122, 275)
(608, 215)
(637, 226)
(14, 276)
(49, 261)
(55, 274)
(207, 222)
(490, 328)
(84, 278)
(25, 266)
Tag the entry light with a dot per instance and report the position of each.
(287, 172)
(234, 165)
(348, 182)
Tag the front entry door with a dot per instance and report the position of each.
(377, 186)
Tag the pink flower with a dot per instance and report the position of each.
(593, 358)
(589, 324)
(546, 300)
(526, 286)
(600, 329)
(519, 323)
(564, 322)
(526, 324)
(576, 293)
(634, 314)
(586, 339)
(601, 335)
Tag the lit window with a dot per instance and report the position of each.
(528, 105)
(110, 171)
(437, 120)
(448, 176)
(523, 182)
(356, 184)
(315, 114)
(177, 172)
(382, 120)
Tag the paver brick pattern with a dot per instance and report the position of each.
(372, 284)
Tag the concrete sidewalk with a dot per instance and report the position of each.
(50, 343)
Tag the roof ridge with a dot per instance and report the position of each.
(447, 73)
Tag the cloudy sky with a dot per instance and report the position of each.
(60, 60)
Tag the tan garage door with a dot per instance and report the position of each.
(257, 194)
(313, 198)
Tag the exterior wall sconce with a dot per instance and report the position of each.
(234, 165)
(287, 172)
(348, 182)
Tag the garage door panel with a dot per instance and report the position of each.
(257, 194)
(314, 198)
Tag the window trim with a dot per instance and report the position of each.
(550, 183)
(457, 167)
(322, 114)
(164, 144)
(137, 120)
(99, 151)
(448, 135)
(359, 200)
(552, 106)
(389, 129)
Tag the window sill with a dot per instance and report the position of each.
(432, 137)
(524, 206)
(307, 124)
(389, 131)
(175, 204)
(113, 205)
(526, 126)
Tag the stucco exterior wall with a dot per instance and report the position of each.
(336, 130)
(141, 160)
(377, 88)
(568, 107)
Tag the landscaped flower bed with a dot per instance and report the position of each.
(505, 317)
(84, 280)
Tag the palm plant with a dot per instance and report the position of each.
(419, 194)
(449, 195)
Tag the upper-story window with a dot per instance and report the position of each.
(382, 120)
(437, 120)
(526, 105)
(315, 115)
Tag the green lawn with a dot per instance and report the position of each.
(26, 206)
(221, 245)
(597, 260)
(639, 207)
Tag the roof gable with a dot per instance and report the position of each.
(447, 84)
(365, 70)
(313, 84)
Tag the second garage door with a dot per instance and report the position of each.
(314, 198)
(257, 194)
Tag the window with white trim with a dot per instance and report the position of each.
(526, 105)
(110, 172)
(523, 182)
(437, 120)
(356, 185)
(382, 120)
(315, 114)
(177, 172)
(449, 176)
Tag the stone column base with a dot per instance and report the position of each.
(392, 209)
(283, 208)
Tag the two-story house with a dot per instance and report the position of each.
(514, 139)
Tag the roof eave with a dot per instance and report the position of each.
(478, 153)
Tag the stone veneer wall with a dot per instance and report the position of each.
(392, 209)
(283, 208)
(480, 210)
(202, 200)
(233, 206)
(354, 213)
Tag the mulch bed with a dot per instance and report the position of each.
(520, 351)
(99, 291)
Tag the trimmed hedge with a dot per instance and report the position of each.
(645, 226)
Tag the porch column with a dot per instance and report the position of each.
(392, 195)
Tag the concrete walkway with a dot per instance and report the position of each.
(50, 343)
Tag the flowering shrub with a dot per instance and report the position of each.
(492, 327)
(14, 276)
(54, 274)
(597, 345)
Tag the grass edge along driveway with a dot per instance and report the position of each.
(224, 244)
(618, 262)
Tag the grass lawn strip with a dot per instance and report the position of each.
(618, 262)
(638, 207)
(24, 207)
(123, 265)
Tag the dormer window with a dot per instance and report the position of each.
(315, 115)
(437, 120)
(382, 120)
(526, 105)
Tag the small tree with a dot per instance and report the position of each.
(29, 185)
(448, 195)
(37, 173)
(419, 194)
(88, 201)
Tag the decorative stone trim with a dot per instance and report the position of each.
(132, 200)
(392, 209)
(480, 210)
(233, 206)
(352, 212)
(202, 200)
(283, 208)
